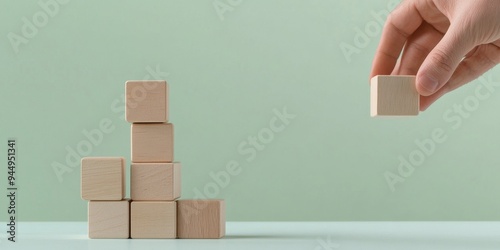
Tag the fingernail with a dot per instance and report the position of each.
(429, 83)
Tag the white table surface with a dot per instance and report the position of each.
(279, 235)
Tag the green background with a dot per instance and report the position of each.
(227, 73)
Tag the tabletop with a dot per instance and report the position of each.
(278, 235)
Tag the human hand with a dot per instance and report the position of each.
(447, 43)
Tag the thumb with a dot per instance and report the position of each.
(443, 60)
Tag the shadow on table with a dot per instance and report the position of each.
(274, 236)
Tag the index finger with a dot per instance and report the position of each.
(400, 25)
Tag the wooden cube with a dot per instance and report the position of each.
(152, 142)
(153, 220)
(201, 219)
(394, 96)
(103, 178)
(155, 181)
(109, 219)
(146, 101)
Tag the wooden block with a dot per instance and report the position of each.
(146, 101)
(103, 178)
(109, 219)
(155, 181)
(153, 220)
(394, 96)
(152, 143)
(201, 219)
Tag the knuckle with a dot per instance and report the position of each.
(441, 60)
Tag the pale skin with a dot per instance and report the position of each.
(445, 43)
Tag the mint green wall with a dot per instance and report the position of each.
(230, 73)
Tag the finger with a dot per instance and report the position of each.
(484, 58)
(418, 46)
(395, 71)
(443, 60)
(400, 24)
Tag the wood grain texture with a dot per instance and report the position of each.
(153, 220)
(103, 178)
(394, 96)
(155, 181)
(152, 143)
(146, 101)
(109, 219)
(201, 219)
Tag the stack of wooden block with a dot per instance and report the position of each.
(154, 211)
(154, 178)
(103, 185)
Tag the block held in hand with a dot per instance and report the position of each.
(394, 96)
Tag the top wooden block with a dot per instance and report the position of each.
(146, 101)
(103, 178)
(394, 96)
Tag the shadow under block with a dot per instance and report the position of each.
(103, 178)
(152, 142)
(109, 219)
(146, 101)
(155, 181)
(201, 219)
(394, 96)
(153, 220)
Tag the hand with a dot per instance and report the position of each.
(447, 43)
